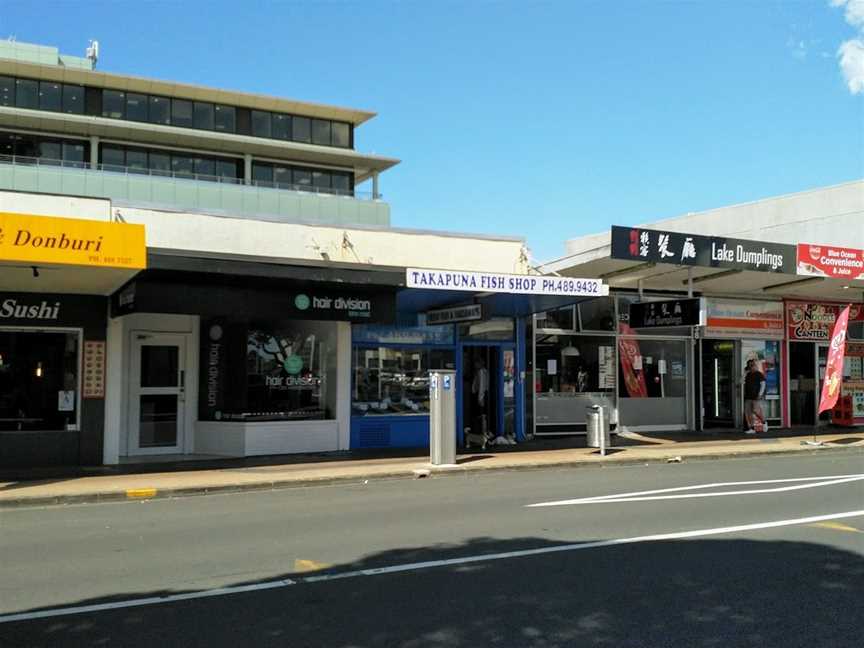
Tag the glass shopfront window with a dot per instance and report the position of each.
(652, 382)
(38, 380)
(290, 372)
(571, 373)
(395, 380)
(496, 328)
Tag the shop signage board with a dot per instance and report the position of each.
(676, 248)
(730, 318)
(51, 309)
(94, 369)
(812, 321)
(830, 261)
(495, 282)
(305, 301)
(673, 312)
(469, 313)
(71, 241)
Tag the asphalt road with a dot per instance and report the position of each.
(419, 563)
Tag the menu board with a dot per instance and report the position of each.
(94, 369)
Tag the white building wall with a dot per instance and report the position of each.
(207, 234)
(826, 216)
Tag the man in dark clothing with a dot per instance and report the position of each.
(754, 390)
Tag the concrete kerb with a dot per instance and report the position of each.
(424, 471)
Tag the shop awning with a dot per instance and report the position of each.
(598, 259)
(418, 300)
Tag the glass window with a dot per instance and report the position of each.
(73, 99)
(74, 153)
(301, 129)
(203, 115)
(597, 314)
(572, 364)
(160, 110)
(50, 151)
(224, 119)
(27, 146)
(341, 183)
(38, 372)
(26, 93)
(50, 95)
(136, 160)
(341, 134)
(281, 128)
(290, 371)
(262, 174)
(113, 104)
(160, 366)
(561, 318)
(282, 176)
(205, 167)
(181, 113)
(321, 132)
(7, 91)
(394, 380)
(7, 144)
(652, 369)
(226, 169)
(183, 165)
(321, 179)
(113, 158)
(159, 163)
(302, 178)
(136, 106)
(497, 328)
(261, 123)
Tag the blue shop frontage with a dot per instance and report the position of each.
(481, 334)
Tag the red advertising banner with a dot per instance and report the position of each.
(631, 363)
(834, 367)
(830, 261)
(812, 321)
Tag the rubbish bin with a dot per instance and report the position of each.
(597, 426)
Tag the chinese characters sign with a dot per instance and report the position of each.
(675, 312)
(638, 244)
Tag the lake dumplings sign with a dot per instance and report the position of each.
(71, 241)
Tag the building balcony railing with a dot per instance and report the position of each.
(195, 192)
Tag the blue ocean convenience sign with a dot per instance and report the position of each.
(495, 282)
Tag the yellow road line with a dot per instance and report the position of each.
(835, 526)
(301, 565)
(141, 493)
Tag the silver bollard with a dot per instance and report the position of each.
(442, 418)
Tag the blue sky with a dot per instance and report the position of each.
(539, 119)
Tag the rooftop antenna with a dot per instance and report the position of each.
(93, 51)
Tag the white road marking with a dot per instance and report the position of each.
(429, 564)
(652, 495)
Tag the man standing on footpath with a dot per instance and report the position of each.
(754, 390)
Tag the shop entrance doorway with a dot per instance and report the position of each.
(481, 389)
(157, 411)
(807, 362)
(720, 384)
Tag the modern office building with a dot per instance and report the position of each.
(189, 271)
(773, 275)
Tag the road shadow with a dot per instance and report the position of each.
(718, 592)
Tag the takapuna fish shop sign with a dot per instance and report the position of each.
(494, 282)
(676, 248)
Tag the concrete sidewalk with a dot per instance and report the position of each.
(236, 479)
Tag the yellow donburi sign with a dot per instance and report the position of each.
(71, 241)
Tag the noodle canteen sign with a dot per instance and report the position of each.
(829, 261)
